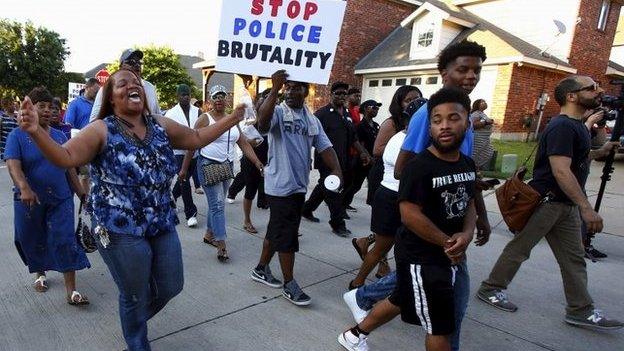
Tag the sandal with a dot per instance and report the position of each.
(210, 241)
(383, 269)
(40, 284)
(222, 255)
(77, 299)
(361, 252)
(249, 228)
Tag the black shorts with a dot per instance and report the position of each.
(385, 216)
(375, 176)
(426, 297)
(284, 218)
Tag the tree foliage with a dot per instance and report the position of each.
(162, 67)
(30, 56)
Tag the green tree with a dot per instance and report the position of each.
(30, 56)
(162, 67)
(61, 85)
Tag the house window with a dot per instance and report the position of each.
(373, 83)
(604, 14)
(416, 81)
(401, 82)
(386, 83)
(425, 37)
(432, 80)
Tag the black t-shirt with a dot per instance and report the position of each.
(367, 133)
(340, 132)
(444, 190)
(564, 136)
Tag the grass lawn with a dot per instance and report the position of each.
(519, 148)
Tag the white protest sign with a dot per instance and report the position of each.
(73, 91)
(259, 37)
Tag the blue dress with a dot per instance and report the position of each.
(131, 182)
(44, 233)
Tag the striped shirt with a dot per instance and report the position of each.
(6, 126)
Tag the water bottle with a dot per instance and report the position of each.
(250, 113)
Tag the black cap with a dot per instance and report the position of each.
(130, 53)
(339, 85)
(368, 103)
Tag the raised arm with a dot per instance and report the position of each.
(78, 151)
(265, 111)
(184, 138)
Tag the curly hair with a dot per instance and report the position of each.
(446, 95)
(463, 48)
(40, 94)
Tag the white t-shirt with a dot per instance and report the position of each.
(390, 155)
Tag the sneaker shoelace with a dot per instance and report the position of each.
(295, 290)
(362, 343)
(501, 296)
(597, 316)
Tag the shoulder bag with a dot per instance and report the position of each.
(517, 200)
(218, 172)
(84, 236)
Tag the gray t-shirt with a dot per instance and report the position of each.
(289, 163)
(150, 96)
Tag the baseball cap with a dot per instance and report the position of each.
(129, 53)
(217, 89)
(368, 103)
(339, 85)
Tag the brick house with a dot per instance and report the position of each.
(361, 31)
(531, 45)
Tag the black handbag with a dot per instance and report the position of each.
(218, 172)
(84, 236)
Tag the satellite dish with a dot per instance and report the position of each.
(560, 26)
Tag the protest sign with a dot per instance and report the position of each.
(73, 91)
(259, 37)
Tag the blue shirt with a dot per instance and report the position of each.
(48, 181)
(130, 182)
(418, 139)
(78, 112)
(8, 124)
(290, 154)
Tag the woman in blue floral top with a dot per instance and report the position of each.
(133, 213)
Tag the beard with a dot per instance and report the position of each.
(454, 146)
(589, 104)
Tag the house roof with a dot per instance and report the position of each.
(615, 69)
(91, 73)
(502, 47)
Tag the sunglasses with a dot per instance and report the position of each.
(218, 96)
(133, 62)
(592, 87)
(340, 93)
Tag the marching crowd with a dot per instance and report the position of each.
(120, 154)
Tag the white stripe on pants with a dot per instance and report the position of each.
(420, 298)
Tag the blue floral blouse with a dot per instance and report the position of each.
(131, 179)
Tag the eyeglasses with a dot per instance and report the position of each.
(374, 107)
(594, 87)
(340, 93)
(133, 62)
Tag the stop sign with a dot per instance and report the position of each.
(102, 76)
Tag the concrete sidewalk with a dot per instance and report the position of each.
(222, 309)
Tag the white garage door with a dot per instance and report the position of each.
(383, 89)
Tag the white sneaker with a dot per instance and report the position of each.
(229, 201)
(191, 222)
(358, 313)
(352, 342)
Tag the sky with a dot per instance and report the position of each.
(98, 31)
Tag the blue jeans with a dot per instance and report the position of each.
(370, 294)
(215, 195)
(148, 273)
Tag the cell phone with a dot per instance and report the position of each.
(492, 182)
